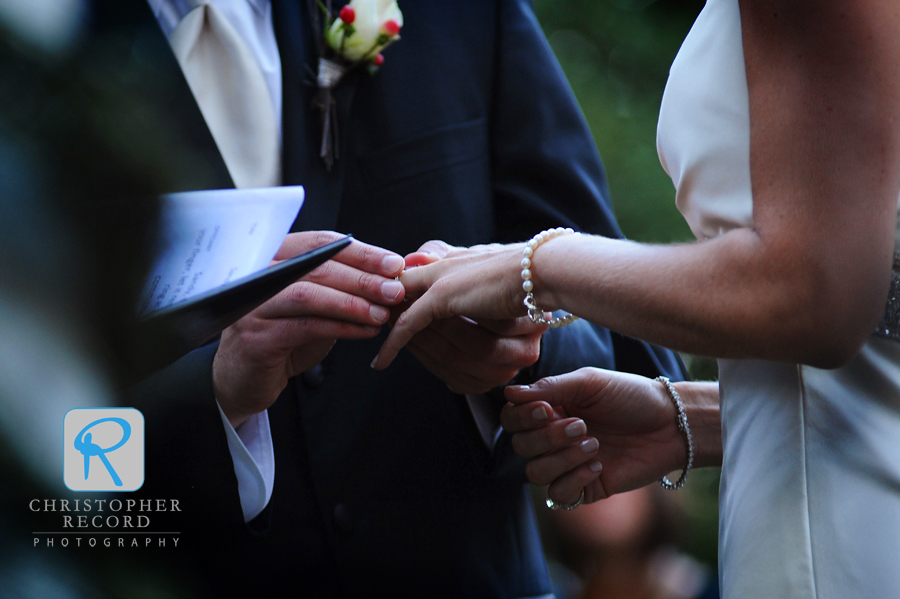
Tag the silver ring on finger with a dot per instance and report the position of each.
(565, 506)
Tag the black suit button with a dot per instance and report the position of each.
(314, 377)
(342, 517)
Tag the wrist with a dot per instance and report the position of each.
(701, 405)
(530, 287)
(683, 427)
(237, 406)
(235, 416)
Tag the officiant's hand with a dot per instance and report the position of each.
(472, 357)
(607, 432)
(346, 298)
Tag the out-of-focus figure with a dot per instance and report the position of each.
(624, 547)
(76, 218)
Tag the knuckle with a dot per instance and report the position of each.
(566, 460)
(519, 446)
(403, 319)
(367, 282)
(534, 474)
(350, 305)
(510, 419)
(303, 326)
(323, 273)
(548, 384)
(300, 294)
(520, 355)
(323, 237)
(547, 437)
(370, 254)
(531, 353)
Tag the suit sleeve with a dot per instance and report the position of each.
(187, 453)
(548, 173)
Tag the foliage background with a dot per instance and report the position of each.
(616, 56)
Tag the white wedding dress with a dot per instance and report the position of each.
(810, 492)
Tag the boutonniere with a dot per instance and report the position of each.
(353, 38)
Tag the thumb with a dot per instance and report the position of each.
(420, 259)
(439, 249)
(550, 389)
(428, 252)
(562, 390)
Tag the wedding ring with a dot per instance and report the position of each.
(565, 506)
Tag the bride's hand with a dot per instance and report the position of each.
(481, 283)
(630, 440)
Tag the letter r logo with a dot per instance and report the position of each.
(104, 449)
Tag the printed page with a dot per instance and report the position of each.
(209, 238)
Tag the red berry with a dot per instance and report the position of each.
(391, 27)
(378, 60)
(347, 15)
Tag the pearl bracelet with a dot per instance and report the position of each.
(681, 419)
(534, 312)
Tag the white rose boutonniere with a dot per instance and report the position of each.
(356, 37)
(364, 28)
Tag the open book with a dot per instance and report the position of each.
(213, 265)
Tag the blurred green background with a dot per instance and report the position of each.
(616, 55)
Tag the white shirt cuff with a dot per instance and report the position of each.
(486, 419)
(254, 461)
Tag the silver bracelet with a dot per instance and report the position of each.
(534, 312)
(681, 419)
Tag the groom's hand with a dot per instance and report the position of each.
(473, 357)
(345, 298)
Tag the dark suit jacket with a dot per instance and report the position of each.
(470, 134)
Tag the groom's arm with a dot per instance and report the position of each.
(547, 174)
(193, 450)
(187, 454)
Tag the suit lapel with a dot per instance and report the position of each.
(132, 23)
(301, 126)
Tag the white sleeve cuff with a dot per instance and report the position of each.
(486, 419)
(254, 461)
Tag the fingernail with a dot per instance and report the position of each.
(379, 314)
(391, 289)
(521, 387)
(393, 263)
(575, 429)
(590, 445)
(374, 360)
(539, 413)
(595, 466)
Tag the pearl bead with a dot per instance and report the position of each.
(534, 313)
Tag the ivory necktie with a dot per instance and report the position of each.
(229, 87)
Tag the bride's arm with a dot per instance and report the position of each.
(809, 281)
